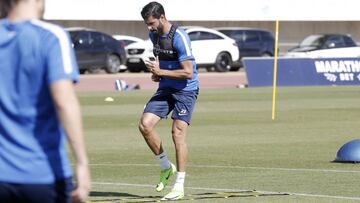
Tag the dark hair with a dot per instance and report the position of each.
(6, 6)
(153, 9)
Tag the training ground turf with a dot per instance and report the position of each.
(236, 152)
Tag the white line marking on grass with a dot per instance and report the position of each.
(241, 167)
(233, 190)
(122, 184)
(147, 185)
(326, 196)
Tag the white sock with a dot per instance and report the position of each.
(163, 161)
(180, 180)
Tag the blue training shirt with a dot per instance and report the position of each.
(33, 55)
(183, 46)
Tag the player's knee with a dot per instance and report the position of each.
(178, 133)
(145, 127)
(142, 127)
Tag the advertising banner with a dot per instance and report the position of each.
(303, 71)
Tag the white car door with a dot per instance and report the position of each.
(205, 46)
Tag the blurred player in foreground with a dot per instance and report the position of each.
(39, 111)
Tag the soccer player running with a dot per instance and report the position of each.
(38, 109)
(175, 69)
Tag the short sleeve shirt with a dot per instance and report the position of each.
(182, 44)
(33, 55)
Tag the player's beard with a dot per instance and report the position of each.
(159, 29)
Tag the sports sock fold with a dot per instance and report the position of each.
(163, 161)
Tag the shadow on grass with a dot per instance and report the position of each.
(345, 162)
(120, 197)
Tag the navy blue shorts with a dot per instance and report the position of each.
(181, 102)
(58, 192)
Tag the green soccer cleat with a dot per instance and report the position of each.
(164, 177)
(173, 195)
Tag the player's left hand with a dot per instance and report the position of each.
(81, 192)
(154, 66)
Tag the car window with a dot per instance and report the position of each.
(73, 35)
(202, 35)
(194, 36)
(266, 36)
(334, 41)
(208, 35)
(252, 36)
(238, 35)
(108, 38)
(82, 38)
(97, 38)
(228, 33)
(312, 41)
(348, 41)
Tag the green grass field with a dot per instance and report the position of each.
(234, 146)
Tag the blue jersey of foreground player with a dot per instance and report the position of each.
(31, 137)
(181, 43)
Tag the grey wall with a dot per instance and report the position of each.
(290, 32)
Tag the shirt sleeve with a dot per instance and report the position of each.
(182, 45)
(60, 58)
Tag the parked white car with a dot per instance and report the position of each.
(137, 53)
(345, 52)
(209, 47)
(326, 46)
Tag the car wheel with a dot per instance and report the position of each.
(223, 62)
(112, 64)
(82, 71)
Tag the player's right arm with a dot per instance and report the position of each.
(185, 72)
(68, 110)
(62, 73)
(183, 46)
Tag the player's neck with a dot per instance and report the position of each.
(167, 27)
(22, 12)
